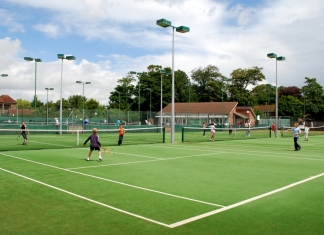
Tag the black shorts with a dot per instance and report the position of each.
(94, 148)
(24, 135)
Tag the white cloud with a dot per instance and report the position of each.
(7, 20)
(51, 30)
(228, 37)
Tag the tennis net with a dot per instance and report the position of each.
(313, 131)
(196, 134)
(11, 139)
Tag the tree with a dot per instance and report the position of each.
(91, 104)
(313, 99)
(77, 101)
(264, 94)
(38, 102)
(124, 92)
(23, 103)
(290, 106)
(206, 83)
(241, 79)
(291, 90)
(65, 104)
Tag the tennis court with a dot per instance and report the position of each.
(243, 186)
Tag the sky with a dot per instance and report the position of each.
(109, 38)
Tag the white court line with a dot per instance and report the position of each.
(257, 153)
(116, 182)
(157, 159)
(189, 220)
(87, 199)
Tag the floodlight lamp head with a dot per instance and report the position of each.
(60, 56)
(78, 82)
(163, 23)
(38, 60)
(281, 58)
(88, 83)
(4, 75)
(28, 59)
(183, 29)
(132, 72)
(70, 57)
(272, 55)
(162, 71)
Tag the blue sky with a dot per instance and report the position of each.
(111, 37)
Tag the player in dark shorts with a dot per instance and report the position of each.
(23, 129)
(94, 144)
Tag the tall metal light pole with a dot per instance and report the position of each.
(36, 60)
(118, 104)
(226, 80)
(189, 87)
(139, 93)
(47, 89)
(181, 29)
(162, 71)
(62, 57)
(280, 58)
(80, 82)
(149, 89)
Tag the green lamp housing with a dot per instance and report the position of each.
(28, 59)
(272, 55)
(163, 23)
(182, 29)
(280, 58)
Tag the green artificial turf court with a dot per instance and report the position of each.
(242, 186)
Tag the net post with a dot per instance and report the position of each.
(270, 131)
(78, 137)
(164, 134)
(182, 134)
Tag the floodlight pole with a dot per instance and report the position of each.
(182, 29)
(36, 60)
(280, 58)
(139, 93)
(80, 82)
(62, 57)
(47, 89)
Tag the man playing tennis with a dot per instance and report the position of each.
(296, 133)
(94, 144)
(23, 128)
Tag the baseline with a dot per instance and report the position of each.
(189, 220)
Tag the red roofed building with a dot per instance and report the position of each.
(195, 113)
(7, 103)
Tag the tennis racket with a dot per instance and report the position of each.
(108, 151)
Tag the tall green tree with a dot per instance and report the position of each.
(313, 99)
(23, 103)
(77, 101)
(263, 94)
(241, 79)
(124, 92)
(38, 102)
(290, 106)
(65, 104)
(206, 83)
(91, 104)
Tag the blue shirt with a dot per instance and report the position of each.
(296, 131)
